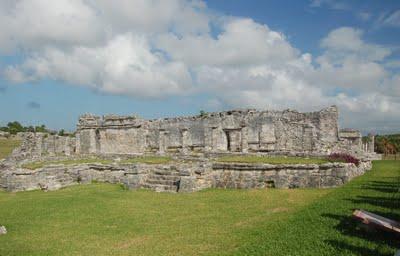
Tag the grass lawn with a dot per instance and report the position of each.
(272, 160)
(103, 219)
(144, 159)
(148, 160)
(7, 146)
(40, 164)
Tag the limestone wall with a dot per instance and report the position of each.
(37, 145)
(239, 131)
(229, 175)
(183, 177)
(230, 131)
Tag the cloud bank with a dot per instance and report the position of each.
(157, 49)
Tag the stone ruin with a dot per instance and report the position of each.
(236, 131)
(193, 142)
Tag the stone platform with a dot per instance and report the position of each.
(183, 176)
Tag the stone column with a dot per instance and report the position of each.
(38, 151)
(77, 143)
(51, 144)
(92, 141)
(67, 146)
(162, 142)
(245, 144)
(214, 139)
(185, 140)
(371, 143)
(208, 141)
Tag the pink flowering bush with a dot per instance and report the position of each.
(343, 157)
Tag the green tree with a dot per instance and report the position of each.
(61, 132)
(15, 127)
(41, 128)
(203, 113)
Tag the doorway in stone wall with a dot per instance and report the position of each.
(233, 139)
(97, 140)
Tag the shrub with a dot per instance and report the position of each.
(203, 113)
(343, 157)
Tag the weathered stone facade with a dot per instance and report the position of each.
(184, 177)
(230, 132)
(37, 145)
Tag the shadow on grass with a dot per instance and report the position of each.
(343, 247)
(351, 227)
(381, 242)
(389, 203)
(383, 186)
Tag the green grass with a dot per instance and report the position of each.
(148, 160)
(145, 159)
(103, 219)
(37, 165)
(326, 227)
(7, 146)
(272, 160)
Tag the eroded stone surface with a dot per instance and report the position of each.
(194, 139)
(184, 177)
(233, 131)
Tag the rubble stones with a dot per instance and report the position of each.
(3, 230)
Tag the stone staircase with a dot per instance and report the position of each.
(163, 181)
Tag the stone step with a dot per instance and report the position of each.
(161, 182)
(160, 187)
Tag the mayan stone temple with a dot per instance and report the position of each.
(194, 145)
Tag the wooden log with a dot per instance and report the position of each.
(376, 221)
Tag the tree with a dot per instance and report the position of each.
(61, 132)
(382, 143)
(15, 127)
(203, 113)
(41, 128)
(388, 148)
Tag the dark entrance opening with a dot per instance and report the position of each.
(228, 140)
(97, 139)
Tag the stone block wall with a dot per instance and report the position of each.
(183, 177)
(37, 145)
(236, 131)
(230, 131)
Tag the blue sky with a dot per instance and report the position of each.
(173, 58)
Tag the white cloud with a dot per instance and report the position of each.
(125, 65)
(150, 49)
(153, 16)
(345, 41)
(31, 24)
(241, 42)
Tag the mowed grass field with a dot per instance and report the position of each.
(104, 219)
